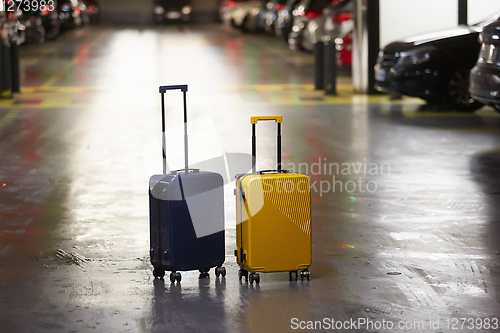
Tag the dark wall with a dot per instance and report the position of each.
(139, 11)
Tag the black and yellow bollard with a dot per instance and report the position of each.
(14, 65)
(330, 66)
(318, 65)
(5, 69)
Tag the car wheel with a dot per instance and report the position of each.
(457, 91)
(245, 25)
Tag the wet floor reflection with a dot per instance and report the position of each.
(485, 168)
(32, 202)
(272, 310)
(201, 310)
(405, 191)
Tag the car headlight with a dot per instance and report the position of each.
(159, 10)
(186, 10)
(414, 57)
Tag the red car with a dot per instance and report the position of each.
(343, 43)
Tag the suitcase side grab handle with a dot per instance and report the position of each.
(272, 171)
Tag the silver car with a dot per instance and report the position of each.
(300, 38)
(322, 21)
(241, 14)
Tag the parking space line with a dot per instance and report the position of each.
(7, 119)
(50, 81)
(451, 114)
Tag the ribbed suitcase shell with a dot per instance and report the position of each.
(273, 222)
(175, 244)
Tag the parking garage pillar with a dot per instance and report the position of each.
(462, 12)
(366, 44)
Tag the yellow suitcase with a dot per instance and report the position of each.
(273, 219)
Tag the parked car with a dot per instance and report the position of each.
(35, 31)
(229, 7)
(485, 76)
(82, 10)
(269, 13)
(243, 14)
(27, 19)
(224, 7)
(337, 20)
(172, 10)
(343, 44)
(433, 66)
(12, 22)
(50, 22)
(284, 19)
(69, 14)
(300, 37)
(93, 11)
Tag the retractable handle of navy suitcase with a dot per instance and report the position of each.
(163, 90)
(253, 121)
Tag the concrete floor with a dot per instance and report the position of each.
(406, 234)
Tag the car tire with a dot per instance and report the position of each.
(457, 94)
(244, 25)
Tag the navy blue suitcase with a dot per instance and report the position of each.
(186, 210)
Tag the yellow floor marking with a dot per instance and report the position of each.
(470, 130)
(56, 89)
(6, 103)
(252, 94)
(11, 115)
(29, 62)
(444, 114)
(50, 81)
(47, 105)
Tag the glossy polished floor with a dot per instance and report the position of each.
(405, 201)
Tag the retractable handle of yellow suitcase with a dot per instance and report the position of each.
(253, 121)
(163, 90)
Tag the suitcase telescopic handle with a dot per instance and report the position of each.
(253, 121)
(163, 90)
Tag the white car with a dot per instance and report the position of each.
(241, 14)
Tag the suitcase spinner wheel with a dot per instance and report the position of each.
(204, 273)
(243, 273)
(254, 277)
(175, 276)
(220, 271)
(158, 273)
